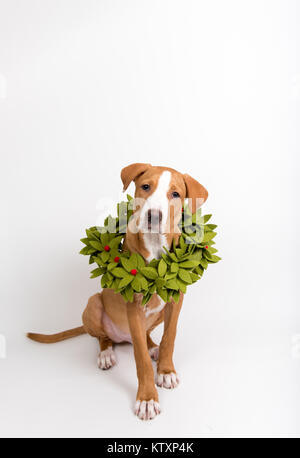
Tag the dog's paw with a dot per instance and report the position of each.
(147, 410)
(168, 381)
(106, 359)
(154, 352)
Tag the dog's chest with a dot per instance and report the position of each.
(154, 244)
(155, 305)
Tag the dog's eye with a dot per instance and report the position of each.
(145, 187)
(175, 194)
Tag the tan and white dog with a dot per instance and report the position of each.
(110, 319)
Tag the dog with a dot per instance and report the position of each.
(109, 318)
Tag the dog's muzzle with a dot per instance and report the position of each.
(154, 219)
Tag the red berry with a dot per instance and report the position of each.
(206, 247)
(117, 259)
(107, 248)
(133, 271)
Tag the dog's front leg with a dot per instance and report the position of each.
(147, 406)
(166, 374)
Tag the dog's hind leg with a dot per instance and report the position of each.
(106, 358)
(92, 323)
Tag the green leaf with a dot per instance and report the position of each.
(114, 243)
(197, 254)
(163, 294)
(153, 263)
(173, 257)
(99, 261)
(206, 218)
(179, 252)
(125, 281)
(182, 285)
(109, 276)
(97, 272)
(194, 277)
(133, 259)
(146, 298)
(199, 270)
(182, 243)
(196, 218)
(105, 278)
(204, 263)
(104, 256)
(176, 296)
(140, 261)
(160, 282)
(211, 227)
(215, 258)
(115, 284)
(172, 284)
(189, 264)
(212, 250)
(84, 250)
(162, 268)
(143, 281)
(94, 235)
(190, 241)
(136, 284)
(149, 272)
(185, 276)
(129, 293)
(111, 265)
(208, 236)
(152, 289)
(166, 258)
(127, 264)
(207, 254)
(119, 272)
(168, 276)
(174, 267)
(104, 238)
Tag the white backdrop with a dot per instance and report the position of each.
(209, 88)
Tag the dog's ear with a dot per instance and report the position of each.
(196, 193)
(131, 172)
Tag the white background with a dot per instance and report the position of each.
(209, 88)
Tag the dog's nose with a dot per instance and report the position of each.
(154, 217)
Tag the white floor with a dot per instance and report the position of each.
(238, 378)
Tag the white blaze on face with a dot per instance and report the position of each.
(157, 201)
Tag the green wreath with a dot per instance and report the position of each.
(128, 273)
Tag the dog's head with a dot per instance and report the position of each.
(160, 194)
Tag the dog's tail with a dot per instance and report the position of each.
(53, 338)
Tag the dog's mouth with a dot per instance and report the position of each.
(154, 220)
